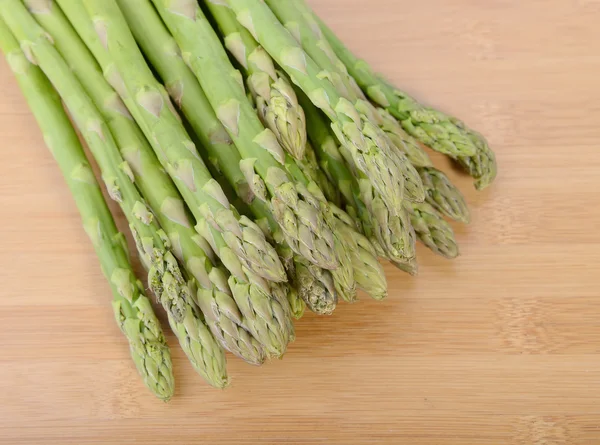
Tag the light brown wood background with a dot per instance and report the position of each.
(501, 346)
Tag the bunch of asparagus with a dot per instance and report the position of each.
(261, 166)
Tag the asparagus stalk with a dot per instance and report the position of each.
(314, 285)
(274, 97)
(164, 276)
(173, 147)
(432, 230)
(444, 196)
(297, 304)
(443, 133)
(133, 311)
(367, 271)
(308, 33)
(425, 221)
(403, 141)
(310, 166)
(429, 126)
(268, 318)
(295, 208)
(392, 232)
(365, 144)
(482, 165)
(214, 296)
(343, 275)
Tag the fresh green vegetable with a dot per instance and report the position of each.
(432, 230)
(482, 165)
(133, 311)
(275, 100)
(295, 208)
(304, 28)
(431, 127)
(164, 275)
(444, 196)
(391, 231)
(366, 146)
(267, 316)
(214, 296)
(173, 146)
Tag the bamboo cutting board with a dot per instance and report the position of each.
(501, 346)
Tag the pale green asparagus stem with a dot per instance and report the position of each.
(314, 285)
(482, 165)
(440, 192)
(433, 128)
(310, 167)
(404, 141)
(164, 276)
(427, 222)
(367, 271)
(259, 302)
(429, 126)
(214, 296)
(444, 196)
(432, 230)
(393, 232)
(133, 311)
(275, 100)
(174, 148)
(344, 279)
(81, 21)
(304, 28)
(295, 208)
(297, 304)
(366, 145)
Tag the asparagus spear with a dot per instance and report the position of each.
(432, 230)
(366, 145)
(444, 196)
(403, 141)
(133, 310)
(443, 133)
(214, 296)
(267, 318)
(274, 97)
(308, 33)
(392, 232)
(343, 275)
(295, 208)
(310, 166)
(297, 304)
(313, 283)
(429, 126)
(164, 276)
(368, 273)
(173, 147)
(427, 223)
(482, 165)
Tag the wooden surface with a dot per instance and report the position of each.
(499, 347)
